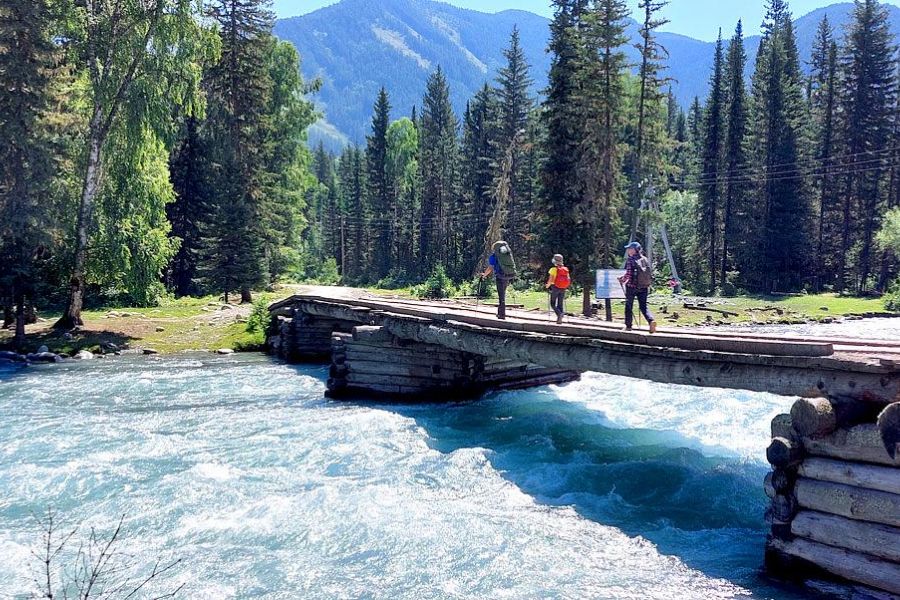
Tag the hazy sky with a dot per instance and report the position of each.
(696, 18)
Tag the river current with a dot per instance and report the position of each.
(604, 488)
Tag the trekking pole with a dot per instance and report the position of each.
(478, 293)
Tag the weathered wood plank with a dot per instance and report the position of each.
(854, 566)
(875, 539)
(861, 443)
(885, 479)
(848, 501)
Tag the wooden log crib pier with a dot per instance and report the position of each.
(835, 483)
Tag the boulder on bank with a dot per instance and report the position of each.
(84, 355)
(12, 356)
(42, 350)
(149, 351)
(224, 351)
(44, 357)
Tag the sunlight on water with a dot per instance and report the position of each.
(606, 488)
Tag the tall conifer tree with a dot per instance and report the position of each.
(709, 207)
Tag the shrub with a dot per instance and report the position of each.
(395, 280)
(892, 297)
(258, 321)
(438, 285)
(477, 288)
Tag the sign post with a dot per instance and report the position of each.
(608, 288)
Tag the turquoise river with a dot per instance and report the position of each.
(604, 488)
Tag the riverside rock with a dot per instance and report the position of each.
(224, 351)
(11, 356)
(42, 350)
(84, 355)
(44, 357)
(150, 351)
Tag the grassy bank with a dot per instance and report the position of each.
(175, 326)
(745, 309)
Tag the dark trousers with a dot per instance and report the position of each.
(502, 284)
(557, 300)
(641, 294)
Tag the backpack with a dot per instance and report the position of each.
(563, 280)
(643, 273)
(505, 260)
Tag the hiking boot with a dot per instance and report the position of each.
(652, 326)
(628, 329)
(559, 320)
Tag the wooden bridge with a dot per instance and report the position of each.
(835, 484)
(794, 366)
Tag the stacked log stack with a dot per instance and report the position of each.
(299, 337)
(835, 492)
(372, 362)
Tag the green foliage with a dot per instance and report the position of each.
(478, 287)
(438, 285)
(892, 297)
(888, 237)
(258, 321)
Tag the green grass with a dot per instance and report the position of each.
(750, 309)
(176, 325)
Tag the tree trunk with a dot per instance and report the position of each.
(246, 295)
(19, 339)
(586, 300)
(72, 316)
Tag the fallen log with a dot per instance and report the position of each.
(853, 566)
(877, 540)
(861, 443)
(848, 501)
(884, 479)
(783, 453)
(701, 307)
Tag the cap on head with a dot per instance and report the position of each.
(557, 259)
(633, 245)
(501, 247)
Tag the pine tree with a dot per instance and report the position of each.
(562, 187)
(868, 89)
(515, 105)
(25, 59)
(709, 206)
(191, 212)
(240, 88)
(781, 212)
(646, 160)
(403, 173)
(823, 112)
(600, 75)
(734, 242)
(482, 130)
(438, 163)
(355, 216)
(380, 197)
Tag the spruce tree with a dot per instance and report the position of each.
(239, 88)
(562, 187)
(597, 214)
(823, 113)
(868, 89)
(781, 211)
(734, 242)
(25, 171)
(439, 167)
(482, 128)
(709, 206)
(403, 173)
(379, 188)
(515, 104)
(191, 211)
(648, 149)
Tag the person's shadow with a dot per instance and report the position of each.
(705, 508)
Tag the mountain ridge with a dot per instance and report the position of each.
(356, 46)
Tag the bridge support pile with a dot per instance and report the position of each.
(835, 492)
(370, 361)
(299, 337)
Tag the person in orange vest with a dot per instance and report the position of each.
(558, 282)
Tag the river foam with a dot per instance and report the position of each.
(605, 488)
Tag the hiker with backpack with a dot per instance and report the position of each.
(637, 280)
(558, 282)
(503, 266)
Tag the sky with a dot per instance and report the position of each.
(698, 19)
